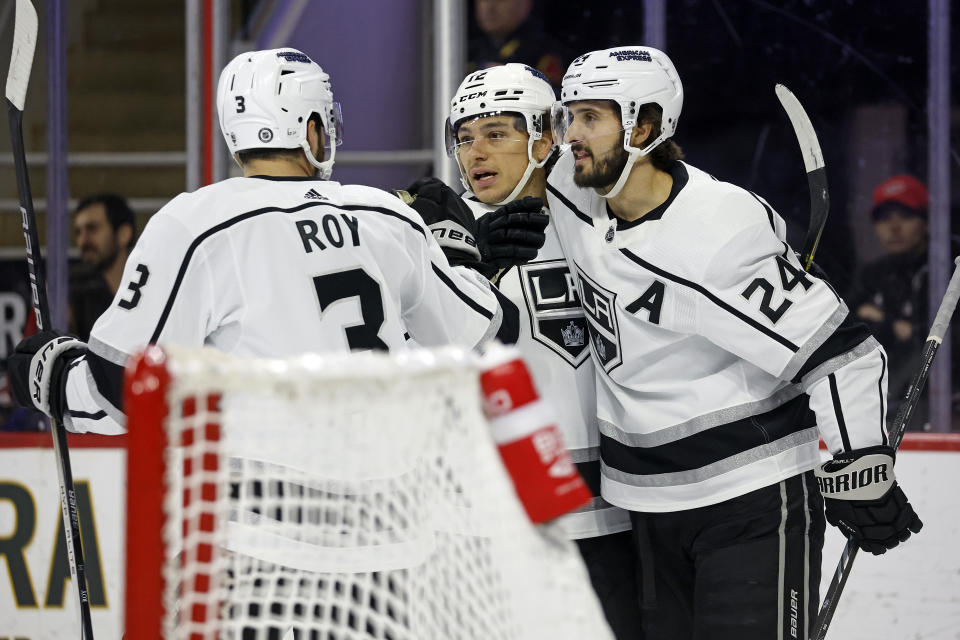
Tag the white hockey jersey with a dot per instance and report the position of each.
(717, 356)
(278, 267)
(554, 343)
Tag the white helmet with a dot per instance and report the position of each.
(631, 76)
(266, 98)
(512, 88)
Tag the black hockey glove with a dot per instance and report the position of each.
(36, 370)
(513, 234)
(863, 500)
(450, 219)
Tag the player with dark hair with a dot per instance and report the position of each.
(720, 363)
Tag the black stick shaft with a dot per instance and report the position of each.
(38, 292)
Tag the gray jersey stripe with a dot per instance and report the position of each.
(807, 348)
(839, 361)
(107, 352)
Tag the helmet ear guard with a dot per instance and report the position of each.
(266, 98)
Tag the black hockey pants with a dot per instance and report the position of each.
(612, 563)
(744, 569)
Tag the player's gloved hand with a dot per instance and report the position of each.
(450, 219)
(36, 369)
(862, 499)
(513, 234)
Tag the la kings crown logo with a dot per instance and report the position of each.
(556, 318)
(599, 305)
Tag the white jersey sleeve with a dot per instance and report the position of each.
(758, 303)
(138, 316)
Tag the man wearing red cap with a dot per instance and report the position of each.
(891, 294)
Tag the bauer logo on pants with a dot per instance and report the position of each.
(599, 305)
(556, 318)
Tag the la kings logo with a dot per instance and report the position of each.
(599, 305)
(557, 320)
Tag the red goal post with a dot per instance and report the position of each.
(356, 496)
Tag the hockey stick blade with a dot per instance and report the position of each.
(18, 76)
(21, 58)
(937, 330)
(815, 168)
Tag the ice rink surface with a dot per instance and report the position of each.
(913, 591)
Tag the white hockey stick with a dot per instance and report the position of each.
(21, 61)
(816, 171)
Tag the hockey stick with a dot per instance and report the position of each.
(21, 60)
(937, 330)
(816, 171)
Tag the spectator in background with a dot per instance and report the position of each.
(891, 293)
(106, 232)
(509, 34)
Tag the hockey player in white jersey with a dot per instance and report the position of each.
(275, 263)
(719, 362)
(499, 133)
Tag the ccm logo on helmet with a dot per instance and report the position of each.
(631, 54)
(471, 96)
(293, 56)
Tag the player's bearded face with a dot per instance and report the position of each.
(595, 135)
(598, 168)
(492, 153)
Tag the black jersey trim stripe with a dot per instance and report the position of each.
(712, 298)
(838, 411)
(711, 445)
(226, 224)
(678, 172)
(470, 302)
(883, 402)
(569, 205)
(108, 378)
(99, 415)
(509, 330)
(769, 211)
(82, 414)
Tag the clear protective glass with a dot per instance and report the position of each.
(335, 121)
(492, 135)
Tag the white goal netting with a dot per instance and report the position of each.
(356, 497)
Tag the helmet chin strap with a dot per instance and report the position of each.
(622, 180)
(634, 155)
(525, 178)
(325, 168)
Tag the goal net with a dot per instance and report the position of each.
(332, 497)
